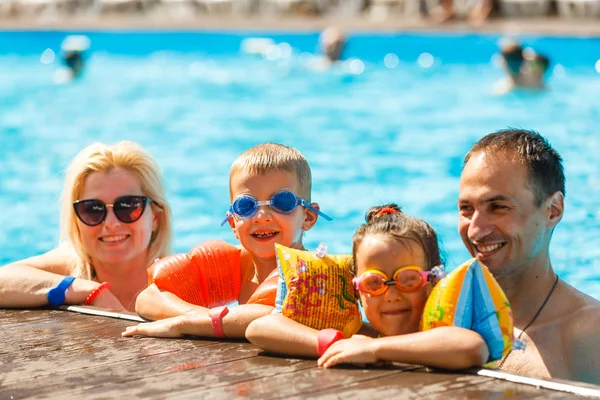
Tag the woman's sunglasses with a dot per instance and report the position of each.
(406, 279)
(127, 209)
(283, 202)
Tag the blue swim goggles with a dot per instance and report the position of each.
(283, 202)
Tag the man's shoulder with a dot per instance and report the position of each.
(580, 298)
(579, 332)
(582, 311)
(584, 319)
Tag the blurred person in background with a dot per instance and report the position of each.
(477, 16)
(525, 69)
(512, 61)
(332, 43)
(73, 50)
(534, 70)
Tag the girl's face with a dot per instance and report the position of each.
(394, 312)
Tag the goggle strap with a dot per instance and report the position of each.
(437, 273)
(228, 217)
(311, 208)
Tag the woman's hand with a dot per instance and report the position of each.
(107, 300)
(165, 328)
(356, 350)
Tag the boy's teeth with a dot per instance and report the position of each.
(491, 247)
(113, 238)
(264, 234)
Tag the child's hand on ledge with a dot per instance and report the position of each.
(358, 350)
(166, 328)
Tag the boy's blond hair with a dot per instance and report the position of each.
(99, 157)
(269, 157)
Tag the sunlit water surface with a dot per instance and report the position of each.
(376, 129)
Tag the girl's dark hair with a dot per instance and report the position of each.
(390, 220)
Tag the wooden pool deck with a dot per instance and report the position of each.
(63, 355)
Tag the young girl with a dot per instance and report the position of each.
(393, 255)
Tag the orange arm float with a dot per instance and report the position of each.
(267, 291)
(208, 276)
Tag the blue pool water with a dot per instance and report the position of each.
(372, 133)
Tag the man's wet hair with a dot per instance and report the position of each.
(544, 164)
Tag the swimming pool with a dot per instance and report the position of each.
(380, 129)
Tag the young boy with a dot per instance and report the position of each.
(270, 186)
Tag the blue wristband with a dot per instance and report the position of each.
(56, 295)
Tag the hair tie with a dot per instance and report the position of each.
(387, 210)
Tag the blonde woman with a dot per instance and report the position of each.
(115, 221)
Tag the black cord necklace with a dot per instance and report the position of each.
(501, 363)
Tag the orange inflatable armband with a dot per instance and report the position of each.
(208, 276)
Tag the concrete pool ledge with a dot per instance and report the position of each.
(554, 26)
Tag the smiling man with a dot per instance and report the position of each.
(512, 191)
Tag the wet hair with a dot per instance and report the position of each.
(544, 164)
(99, 157)
(513, 56)
(541, 60)
(72, 59)
(389, 220)
(270, 157)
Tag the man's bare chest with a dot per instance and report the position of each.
(544, 355)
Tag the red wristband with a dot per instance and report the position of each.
(96, 292)
(326, 338)
(216, 318)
